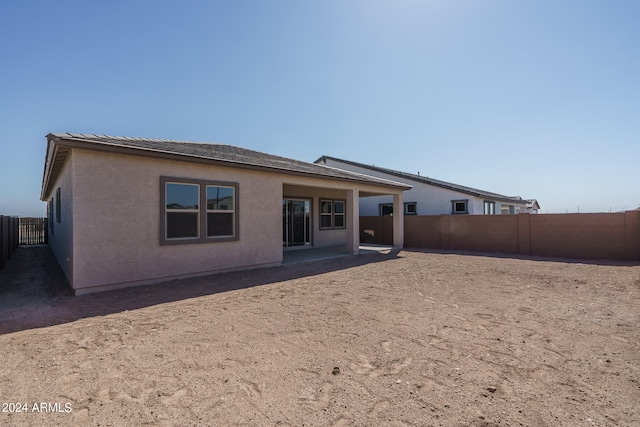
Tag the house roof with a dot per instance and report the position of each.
(430, 181)
(532, 204)
(59, 145)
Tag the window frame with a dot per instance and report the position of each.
(221, 211)
(202, 211)
(507, 209)
(185, 210)
(382, 206)
(466, 207)
(333, 214)
(51, 219)
(58, 206)
(491, 205)
(415, 208)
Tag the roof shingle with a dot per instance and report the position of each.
(222, 153)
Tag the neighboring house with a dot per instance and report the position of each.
(130, 211)
(533, 206)
(429, 196)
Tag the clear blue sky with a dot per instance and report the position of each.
(537, 98)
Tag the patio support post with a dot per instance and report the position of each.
(353, 221)
(398, 221)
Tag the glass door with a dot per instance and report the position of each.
(296, 222)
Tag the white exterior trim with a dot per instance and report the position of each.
(430, 199)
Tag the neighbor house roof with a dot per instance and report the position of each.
(532, 204)
(59, 145)
(430, 181)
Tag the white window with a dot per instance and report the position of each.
(489, 207)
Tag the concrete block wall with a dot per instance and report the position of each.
(484, 233)
(613, 236)
(422, 231)
(376, 230)
(8, 237)
(579, 236)
(632, 234)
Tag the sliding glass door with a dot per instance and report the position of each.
(296, 222)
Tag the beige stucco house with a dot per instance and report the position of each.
(130, 211)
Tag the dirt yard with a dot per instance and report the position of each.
(401, 339)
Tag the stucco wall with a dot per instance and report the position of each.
(61, 237)
(117, 221)
(117, 214)
(320, 237)
(431, 200)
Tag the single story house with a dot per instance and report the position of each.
(430, 196)
(131, 211)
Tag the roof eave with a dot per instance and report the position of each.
(47, 172)
(59, 140)
(426, 180)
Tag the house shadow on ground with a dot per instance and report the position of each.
(34, 292)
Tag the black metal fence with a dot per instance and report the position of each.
(16, 231)
(9, 237)
(34, 231)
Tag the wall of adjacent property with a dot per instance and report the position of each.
(439, 198)
(614, 236)
(430, 199)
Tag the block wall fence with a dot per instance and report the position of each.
(607, 236)
(9, 237)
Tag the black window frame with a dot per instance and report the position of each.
(51, 219)
(333, 214)
(466, 207)
(202, 211)
(415, 208)
(58, 206)
(383, 208)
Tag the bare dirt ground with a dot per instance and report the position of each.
(420, 339)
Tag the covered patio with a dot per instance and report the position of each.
(317, 254)
(323, 220)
